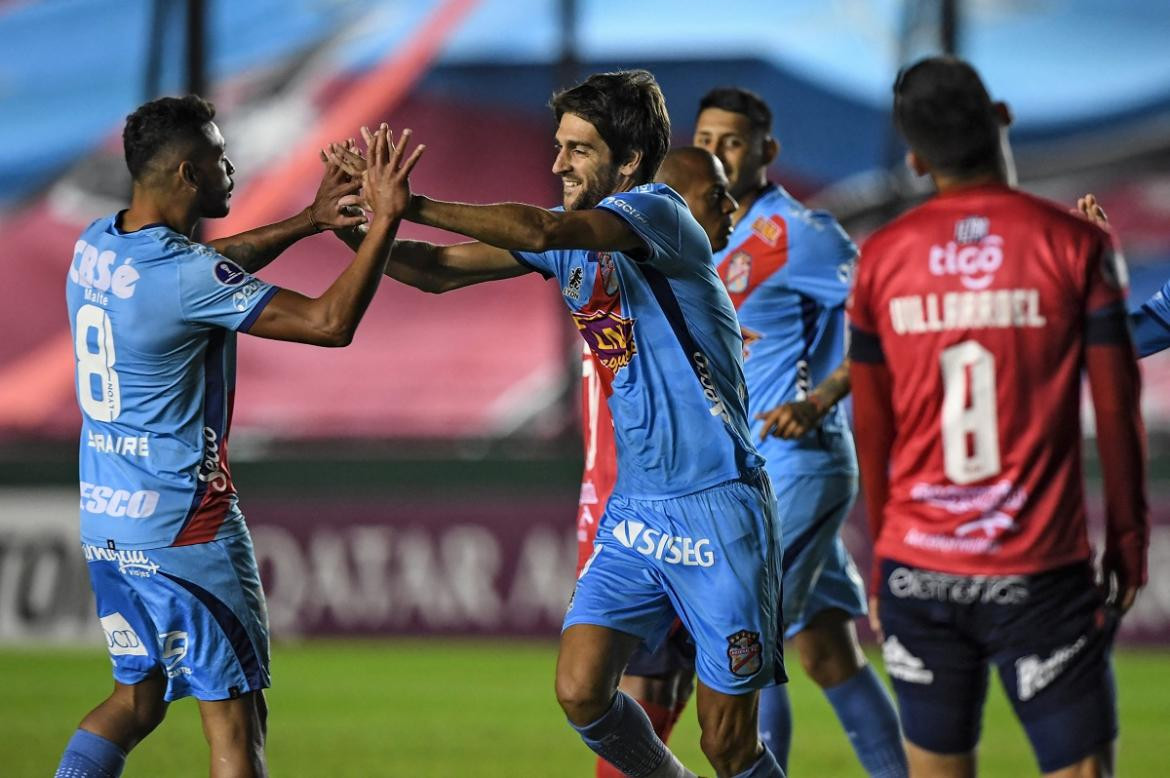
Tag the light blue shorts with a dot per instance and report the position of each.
(195, 613)
(819, 574)
(712, 558)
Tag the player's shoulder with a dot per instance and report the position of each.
(779, 201)
(650, 199)
(1055, 214)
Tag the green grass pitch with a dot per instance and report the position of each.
(464, 708)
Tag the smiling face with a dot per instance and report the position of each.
(745, 153)
(212, 171)
(584, 163)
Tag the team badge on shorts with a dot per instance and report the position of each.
(745, 655)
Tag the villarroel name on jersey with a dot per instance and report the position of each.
(989, 309)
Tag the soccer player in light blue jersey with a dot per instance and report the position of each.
(788, 271)
(690, 527)
(154, 317)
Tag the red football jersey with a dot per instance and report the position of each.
(979, 300)
(600, 455)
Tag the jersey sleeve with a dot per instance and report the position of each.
(550, 264)
(655, 219)
(1108, 278)
(1105, 291)
(215, 291)
(821, 261)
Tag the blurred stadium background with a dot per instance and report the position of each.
(415, 492)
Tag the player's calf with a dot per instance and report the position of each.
(730, 738)
(235, 731)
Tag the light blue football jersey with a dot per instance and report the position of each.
(153, 317)
(788, 271)
(663, 326)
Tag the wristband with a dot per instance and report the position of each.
(312, 221)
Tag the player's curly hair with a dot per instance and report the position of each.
(745, 102)
(629, 112)
(160, 124)
(944, 112)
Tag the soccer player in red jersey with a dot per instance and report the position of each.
(973, 317)
(661, 680)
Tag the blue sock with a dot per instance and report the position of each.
(867, 713)
(624, 737)
(776, 722)
(90, 756)
(764, 767)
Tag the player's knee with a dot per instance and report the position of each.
(148, 716)
(146, 711)
(583, 700)
(830, 655)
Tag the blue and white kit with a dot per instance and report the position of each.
(788, 271)
(690, 527)
(154, 317)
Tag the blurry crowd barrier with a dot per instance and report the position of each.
(461, 565)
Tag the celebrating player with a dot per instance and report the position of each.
(661, 681)
(788, 271)
(689, 528)
(973, 316)
(154, 317)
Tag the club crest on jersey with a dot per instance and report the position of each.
(974, 255)
(738, 273)
(609, 335)
(229, 273)
(769, 230)
(572, 290)
(608, 272)
(745, 654)
(972, 229)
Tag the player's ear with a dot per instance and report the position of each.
(771, 149)
(1003, 112)
(630, 166)
(188, 174)
(916, 164)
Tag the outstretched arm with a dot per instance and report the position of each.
(794, 419)
(332, 318)
(519, 227)
(255, 249)
(511, 226)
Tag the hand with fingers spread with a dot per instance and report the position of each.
(385, 181)
(1088, 207)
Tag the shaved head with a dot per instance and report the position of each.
(685, 164)
(698, 176)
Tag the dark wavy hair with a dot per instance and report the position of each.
(629, 112)
(944, 112)
(165, 123)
